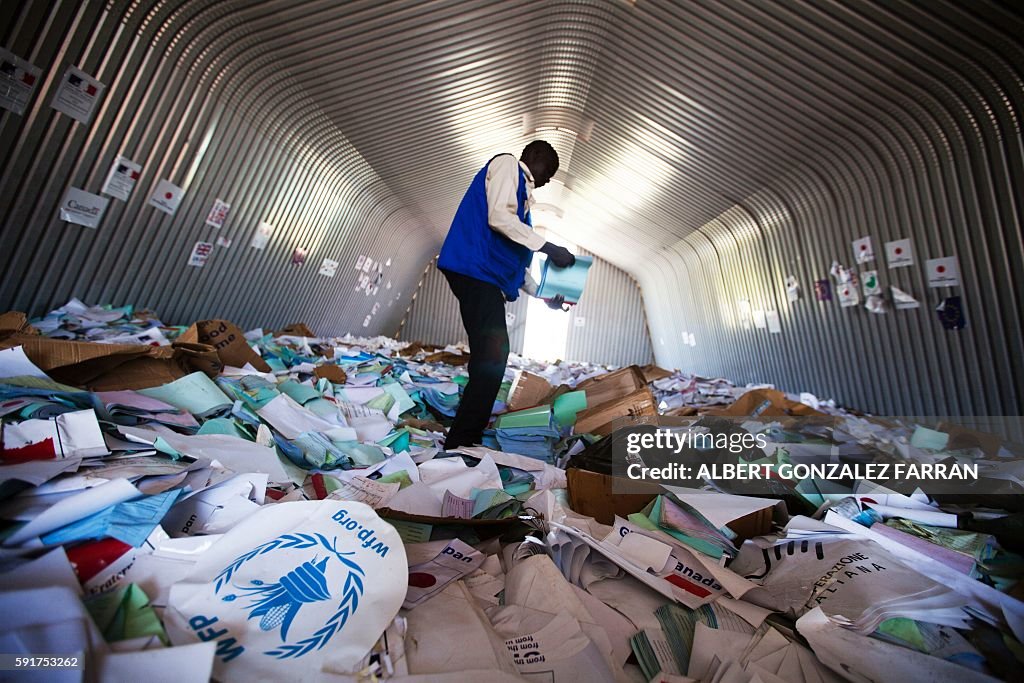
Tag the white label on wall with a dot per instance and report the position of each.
(863, 252)
(218, 214)
(579, 321)
(18, 80)
(83, 208)
(121, 179)
(262, 236)
(870, 280)
(77, 94)
(166, 197)
(899, 253)
(200, 252)
(328, 267)
(943, 272)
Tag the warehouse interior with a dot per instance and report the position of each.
(744, 174)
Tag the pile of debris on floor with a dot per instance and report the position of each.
(196, 502)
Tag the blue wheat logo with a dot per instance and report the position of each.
(276, 604)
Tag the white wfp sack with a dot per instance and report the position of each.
(295, 587)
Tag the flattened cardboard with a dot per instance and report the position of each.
(591, 494)
(100, 367)
(652, 372)
(612, 386)
(296, 330)
(330, 372)
(228, 340)
(768, 402)
(527, 390)
(598, 420)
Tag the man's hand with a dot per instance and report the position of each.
(556, 302)
(560, 256)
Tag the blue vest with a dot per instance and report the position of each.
(473, 248)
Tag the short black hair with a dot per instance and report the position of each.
(542, 151)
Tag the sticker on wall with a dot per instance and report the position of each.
(367, 264)
(223, 242)
(902, 300)
(759, 319)
(871, 286)
(388, 285)
(692, 340)
(262, 236)
(360, 261)
(77, 95)
(863, 252)
(848, 295)
(875, 304)
(299, 256)
(388, 264)
(366, 320)
(743, 305)
(823, 290)
(166, 197)
(510, 317)
(121, 179)
(943, 272)
(376, 307)
(579, 321)
(328, 267)
(200, 252)
(841, 273)
(951, 313)
(18, 80)
(899, 253)
(792, 288)
(774, 322)
(218, 214)
(83, 208)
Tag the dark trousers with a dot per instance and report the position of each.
(482, 306)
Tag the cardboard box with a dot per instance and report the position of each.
(591, 494)
(613, 385)
(527, 390)
(228, 340)
(598, 420)
(652, 372)
(963, 437)
(767, 402)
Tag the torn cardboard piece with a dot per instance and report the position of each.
(228, 340)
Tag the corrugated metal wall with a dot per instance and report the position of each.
(709, 149)
(608, 324)
(192, 96)
(937, 159)
(614, 329)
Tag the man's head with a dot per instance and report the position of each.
(542, 160)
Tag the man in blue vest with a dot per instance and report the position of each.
(486, 259)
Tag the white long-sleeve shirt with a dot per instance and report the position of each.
(502, 187)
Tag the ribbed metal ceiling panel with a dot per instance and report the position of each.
(709, 148)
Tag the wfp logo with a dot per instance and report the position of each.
(277, 604)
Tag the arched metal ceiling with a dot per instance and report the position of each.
(709, 148)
